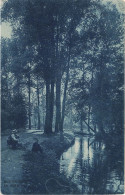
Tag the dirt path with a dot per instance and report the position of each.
(12, 162)
(11, 169)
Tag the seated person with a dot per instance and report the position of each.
(36, 147)
(13, 139)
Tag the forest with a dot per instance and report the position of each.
(63, 68)
(64, 61)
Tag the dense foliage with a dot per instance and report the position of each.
(64, 59)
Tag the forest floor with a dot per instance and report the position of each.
(25, 172)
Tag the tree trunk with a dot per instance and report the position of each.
(43, 106)
(101, 79)
(95, 128)
(58, 104)
(29, 97)
(58, 81)
(65, 90)
(48, 125)
(89, 126)
(18, 91)
(89, 118)
(81, 163)
(81, 124)
(52, 102)
(64, 101)
(38, 104)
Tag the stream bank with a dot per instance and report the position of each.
(82, 166)
(24, 172)
(42, 172)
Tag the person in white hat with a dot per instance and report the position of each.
(13, 139)
(14, 135)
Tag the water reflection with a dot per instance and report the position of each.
(94, 169)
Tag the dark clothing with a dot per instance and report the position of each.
(36, 148)
(12, 142)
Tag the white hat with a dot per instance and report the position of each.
(14, 131)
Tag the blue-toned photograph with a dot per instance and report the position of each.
(62, 97)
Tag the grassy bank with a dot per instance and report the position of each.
(41, 172)
(34, 173)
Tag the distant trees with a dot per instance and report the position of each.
(5, 93)
(110, 57)
(103, 62)
(13, 107)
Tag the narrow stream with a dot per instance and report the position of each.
(92, 168)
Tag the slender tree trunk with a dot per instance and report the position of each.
(101, 79)
(81, 164)
(89, 118)
(48, 125)
(18, 86)
(43, 109)
(89, 126)
(52, 102)
(58, 81)
(29, 97)
(81, 124)
(58, 104)
(64, 101)
(65, 91)
(47, 119)
(38, 104)
(71, 121)
(95, 128)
